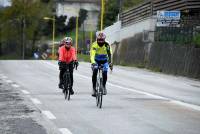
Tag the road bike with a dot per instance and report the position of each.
(99, 87)
(67, 83)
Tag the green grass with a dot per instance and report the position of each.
(196, 40)
(12, 56)
(132, 65)
(83, 57)
(129, 4)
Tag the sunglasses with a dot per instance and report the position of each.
(68, 43)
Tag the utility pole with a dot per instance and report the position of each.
(77, 34)
(102, 13)
(0, 40)
(23, 38)
(23, 32)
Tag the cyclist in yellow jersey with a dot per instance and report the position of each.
(100, 53)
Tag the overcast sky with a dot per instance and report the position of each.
(5, 2)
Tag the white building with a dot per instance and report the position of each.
(71, 8)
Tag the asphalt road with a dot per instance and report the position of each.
(138, 101)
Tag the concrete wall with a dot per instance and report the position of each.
(175, 59)
(113, 32)
(132, 46)
(116, 33)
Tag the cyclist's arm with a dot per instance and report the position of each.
(74, 56)
(109, 52)
(92, 54)
(61, 54)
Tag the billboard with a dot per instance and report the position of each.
(168, 18)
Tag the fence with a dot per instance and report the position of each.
(150, 8)
(184, 34)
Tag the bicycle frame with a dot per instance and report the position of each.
(67, 82)
(99, 87)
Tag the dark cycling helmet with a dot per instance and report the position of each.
(101, 37)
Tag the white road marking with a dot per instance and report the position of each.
(49, 115)
(4, 77)
(35, 101)
(65, 131)
(195, 107)
(8, 81)
(25, 92)
(137, 91)
(15, 85)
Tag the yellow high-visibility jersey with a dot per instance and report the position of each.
(98, 53)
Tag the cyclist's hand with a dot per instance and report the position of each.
(61, 65)
(76, 64)
(59, 62)
(111, 66)
(93, 65)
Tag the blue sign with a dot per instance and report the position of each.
(167, 18)
(169, 15)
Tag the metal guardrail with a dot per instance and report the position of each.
(150, 8)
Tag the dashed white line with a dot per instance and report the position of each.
(4, 77)
(8, 81)
(15, 85)
(25, 92)
(35, 101)
(49, 115)
(65, 131)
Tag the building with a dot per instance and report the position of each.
(71, 8)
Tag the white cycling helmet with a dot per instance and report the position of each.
(67, 40)
(101, 37)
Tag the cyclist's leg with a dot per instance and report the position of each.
(71, 77)
(62, 71)
(94, 80)
(105, 70)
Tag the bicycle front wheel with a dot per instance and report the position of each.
(68, 86)
(100, 93)
(100, 100)
(65, 93)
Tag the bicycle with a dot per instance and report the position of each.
(67, 81)
(99, 87)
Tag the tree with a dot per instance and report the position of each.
(127, 4)
(60, 25)
(71, 24)
(111, 12)
(112, 9)
(22, 23)
(82, 16)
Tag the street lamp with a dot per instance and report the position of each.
(53, 34)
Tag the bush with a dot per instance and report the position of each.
(196, 40)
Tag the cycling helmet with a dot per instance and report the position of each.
(67, 40)
(101, 37)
